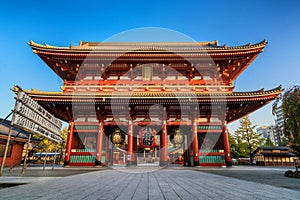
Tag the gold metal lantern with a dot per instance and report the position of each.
(177, 138)
(117, 137)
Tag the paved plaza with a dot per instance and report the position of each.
(145, 183)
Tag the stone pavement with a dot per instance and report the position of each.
(143, 183)
(266, 175)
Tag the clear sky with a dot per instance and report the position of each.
(232, 22)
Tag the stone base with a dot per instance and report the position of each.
(163, 163)
(131, 163)
(66, 163)
(196, 163)
(228, 163)
(187, 164)
(97, 163)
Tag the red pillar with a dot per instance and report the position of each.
(164, 145)
(117, 158)
(107, 158)
(99, 144)
(131, 159)
(195, 143)
(188, 150)
(184, 155)
(111, 154)
(69, 143)
(226, 145)
(134, 148)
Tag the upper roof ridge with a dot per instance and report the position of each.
(211, 45)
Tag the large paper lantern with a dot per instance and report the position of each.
(147, 137)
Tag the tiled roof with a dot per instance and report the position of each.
(16, 132)
(238, 103)
(148, 47)
(278, 154)
(275, 148)
(131, 95)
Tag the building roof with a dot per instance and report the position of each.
(278, 154)
(238, 104)
(207, 57)
(231, 96)
(16, 134)
(275, 148)
(204, 61)
(148, 46)
(267, 150)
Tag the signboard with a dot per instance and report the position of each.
(147, 137)
(36, 128)
(28, 114)
(25, 100)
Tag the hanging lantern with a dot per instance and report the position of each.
(177, 138)
(147, 137)
(117, 138)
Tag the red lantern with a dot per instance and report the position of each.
(147, 137)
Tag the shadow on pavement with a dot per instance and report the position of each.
(266, 175)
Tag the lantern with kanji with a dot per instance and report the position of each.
(147, 137)
(117, 138)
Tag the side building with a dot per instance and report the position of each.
(273, 132)
(263, 130)
(279, 121)
(19, 139)
(274, 156)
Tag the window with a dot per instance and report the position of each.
(2, 150)
(147, 72)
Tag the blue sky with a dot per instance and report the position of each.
(232, 22)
